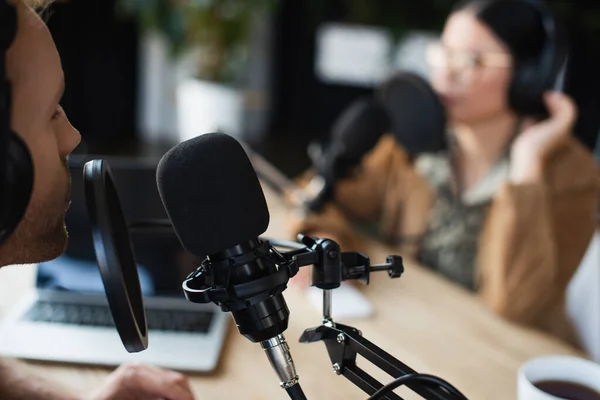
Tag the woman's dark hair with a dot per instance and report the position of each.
(517, 23)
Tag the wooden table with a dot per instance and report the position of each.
(421, 319)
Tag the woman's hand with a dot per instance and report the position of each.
(541, 138)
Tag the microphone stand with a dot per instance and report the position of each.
(343, 342)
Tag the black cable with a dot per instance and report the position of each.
(295, 392)
(418, 377)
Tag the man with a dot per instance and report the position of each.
(35, 72)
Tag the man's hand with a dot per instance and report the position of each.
(142, 382)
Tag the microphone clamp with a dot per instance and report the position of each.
(330, 268)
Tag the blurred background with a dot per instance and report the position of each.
(143, 75)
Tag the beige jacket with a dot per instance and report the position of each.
(533, 239)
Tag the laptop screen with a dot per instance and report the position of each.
(162, 263)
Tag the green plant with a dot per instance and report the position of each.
(220, 28)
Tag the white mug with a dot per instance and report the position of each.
(556, 368)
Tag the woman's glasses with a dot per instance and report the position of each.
(465, 65)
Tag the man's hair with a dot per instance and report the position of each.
(38, 3)
(41, 6)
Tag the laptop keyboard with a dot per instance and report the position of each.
(99, 315)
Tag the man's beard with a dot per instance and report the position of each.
(41, 235)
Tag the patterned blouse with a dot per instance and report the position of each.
(451, 242)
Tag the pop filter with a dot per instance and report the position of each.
(416, 113)
(114, 253)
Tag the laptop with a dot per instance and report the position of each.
(66, 317)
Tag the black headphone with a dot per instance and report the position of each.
(16, 165)
(532, 78)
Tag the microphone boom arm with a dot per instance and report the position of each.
(344, 342)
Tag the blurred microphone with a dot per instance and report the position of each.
(405, 105)
(416, 114)
(354, 134)
(216, 204)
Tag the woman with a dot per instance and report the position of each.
(509, 209)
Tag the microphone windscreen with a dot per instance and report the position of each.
(359, 128)
(417, 115)
(211, 194)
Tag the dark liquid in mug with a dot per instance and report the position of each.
(568, 390)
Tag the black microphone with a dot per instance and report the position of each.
(216, 204)
(417, 116)
(405, 105)
(354, 134)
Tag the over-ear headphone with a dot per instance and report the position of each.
(532, 78)
(16, 166)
